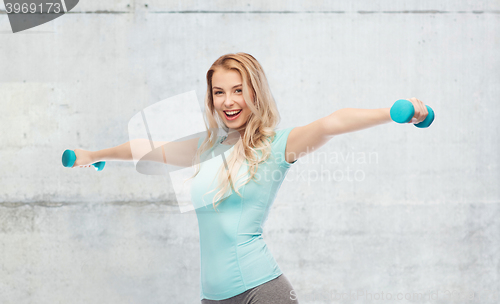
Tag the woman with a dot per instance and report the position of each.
(233, 194)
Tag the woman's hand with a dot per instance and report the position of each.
(84, 158)
(420, 111)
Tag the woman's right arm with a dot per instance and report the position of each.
(122, 152)
(174, 153)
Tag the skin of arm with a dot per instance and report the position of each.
(350, 120)
(122, 152)
(305, 139)
(173, 153)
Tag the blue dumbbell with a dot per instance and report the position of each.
(402, 111)
(69, 157)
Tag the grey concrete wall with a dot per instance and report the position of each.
(405, 210)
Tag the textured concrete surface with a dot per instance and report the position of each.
(394, 209)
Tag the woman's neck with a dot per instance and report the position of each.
(232, 133)
(233, 136)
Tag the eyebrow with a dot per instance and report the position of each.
(232, 87)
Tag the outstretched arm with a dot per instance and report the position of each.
(350, 120)
(305, 139)
(173, 153)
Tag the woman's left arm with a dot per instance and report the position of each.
(350, 120)
(305, 139)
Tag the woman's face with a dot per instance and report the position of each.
(227, 91)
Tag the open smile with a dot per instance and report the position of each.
(232, 114)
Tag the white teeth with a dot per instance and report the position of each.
(232, 112)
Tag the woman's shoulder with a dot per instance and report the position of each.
(281, 134)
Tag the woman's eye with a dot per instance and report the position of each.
(221, 91)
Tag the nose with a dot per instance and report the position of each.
(228, 102)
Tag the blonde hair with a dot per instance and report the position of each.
(259, 128)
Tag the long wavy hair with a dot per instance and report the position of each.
(258, 130)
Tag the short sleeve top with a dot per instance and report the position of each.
(233, 254)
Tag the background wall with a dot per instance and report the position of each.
(391, 209)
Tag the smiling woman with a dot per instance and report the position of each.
(236, 265)
(228, 99)
(249, 116)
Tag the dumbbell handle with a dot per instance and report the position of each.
(69, 158)
(402, 111)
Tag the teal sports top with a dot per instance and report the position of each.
(233, 254)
